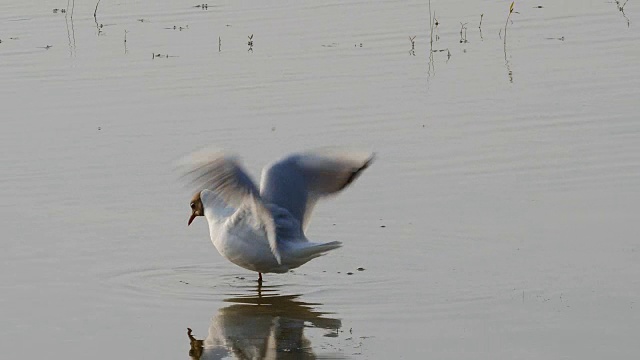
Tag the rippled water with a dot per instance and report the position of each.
(499, 220)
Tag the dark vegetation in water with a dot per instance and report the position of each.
(463, 33)
(507, 64)
(413, 45)
(433, 37)
(95, 18)
(506, 24)
(620, 5)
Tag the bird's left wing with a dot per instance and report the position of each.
(223, 175)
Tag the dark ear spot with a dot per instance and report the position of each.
(192, 205)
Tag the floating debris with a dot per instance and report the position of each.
(360, 269)
(179, 28)
(349, 273)
(165, 56)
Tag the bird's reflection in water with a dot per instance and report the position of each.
(262, 326)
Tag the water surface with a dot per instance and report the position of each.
(499, 220)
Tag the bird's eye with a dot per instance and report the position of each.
(193, 205)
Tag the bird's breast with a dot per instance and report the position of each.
(246, 247)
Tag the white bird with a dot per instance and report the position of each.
(264, 231)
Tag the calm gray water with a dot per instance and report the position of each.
(499, 221)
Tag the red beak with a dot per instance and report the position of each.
(193, 216)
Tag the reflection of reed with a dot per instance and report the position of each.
(508, 65)
(261, 327)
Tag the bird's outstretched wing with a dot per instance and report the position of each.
(298, 181)
(223, 175)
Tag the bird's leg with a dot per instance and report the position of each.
(260, 278)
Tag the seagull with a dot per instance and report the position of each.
(264, 230)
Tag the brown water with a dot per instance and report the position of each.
(499, 221)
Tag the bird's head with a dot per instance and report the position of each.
(196, 208)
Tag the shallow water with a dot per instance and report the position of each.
(499, 220)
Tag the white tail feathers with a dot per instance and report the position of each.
(309, 251)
